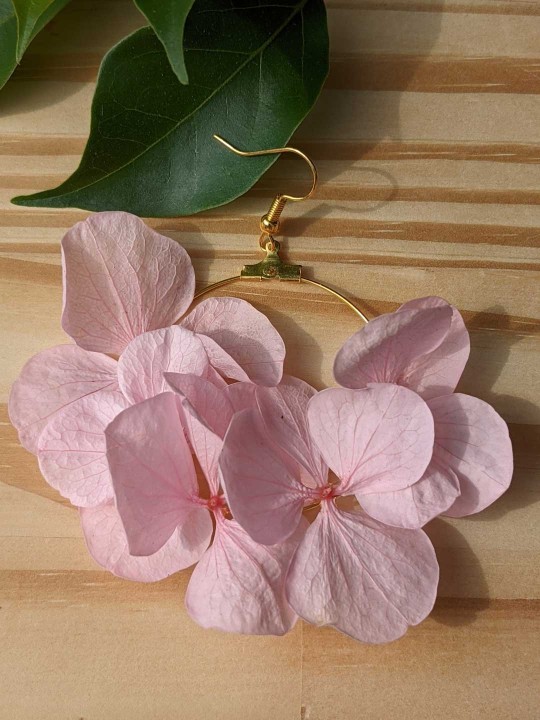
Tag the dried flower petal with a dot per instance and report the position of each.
(389, 347)
(142, 365)
(153, 474)
(472, 441)
(364, 578)
(416, 505)
(375, 440)
(71, 449)
(262, 484)
(284, 411)
(242, 395)
(51, 381)
(245, 346)
(239, 586)
(107, 544)
(121, 279)
(207, 415)
(438, 372)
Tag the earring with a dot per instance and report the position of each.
(181, 442)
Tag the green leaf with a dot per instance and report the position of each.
(20, 22)
(8, 40)
(255, 71)
(168, 18)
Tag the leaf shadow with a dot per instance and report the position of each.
(343, 137)
(325, 135)
(84, 32)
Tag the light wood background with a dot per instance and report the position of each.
(427, 139)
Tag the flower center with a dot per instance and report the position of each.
(325, 493)
(215, 503)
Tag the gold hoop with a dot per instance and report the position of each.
(335, 293)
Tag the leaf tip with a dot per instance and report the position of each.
(21, 200)
(31, 201)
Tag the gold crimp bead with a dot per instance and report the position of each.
(270, 227)
(270, 221)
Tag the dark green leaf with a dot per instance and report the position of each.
(255, 71)
(8, 40)
(168, 18)
(20, 22)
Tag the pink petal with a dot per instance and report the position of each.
(385, 350)
(242, 395)
(262, 486)
(107, 544)
(51, 381)
(152, 472)
(207, 414)
(472, 441)
(145, 360)
(212, 405)
(245, 334)
(375, 440)
(121, 279)
(438, 372)
(416, 505)
(212, 374)
(71, 449)
(238, 585)
(364, 578)
(284, 411)
(222, 362)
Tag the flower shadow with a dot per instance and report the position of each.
(486, 363)
(282, 304)
(463, 590)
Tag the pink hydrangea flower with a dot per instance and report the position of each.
(424, 346)
(297, 448)
(122, 419)
(123, 285)
(238, 585)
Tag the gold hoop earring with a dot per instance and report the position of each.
(272, 266)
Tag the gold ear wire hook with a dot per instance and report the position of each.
(270, 221)
(272, 266)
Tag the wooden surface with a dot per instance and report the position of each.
(427, 139)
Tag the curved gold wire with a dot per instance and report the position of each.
(335, 293)
(277, 151)
(339, 296)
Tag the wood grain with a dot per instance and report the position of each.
(427, 139)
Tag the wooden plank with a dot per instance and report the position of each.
(470, 7)
(470, 660)
(360, 72)
(340, 115)
(383, 181)
(90, 645)
(349, 150)
(346, 115)
(403, 72)
(382, 29)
